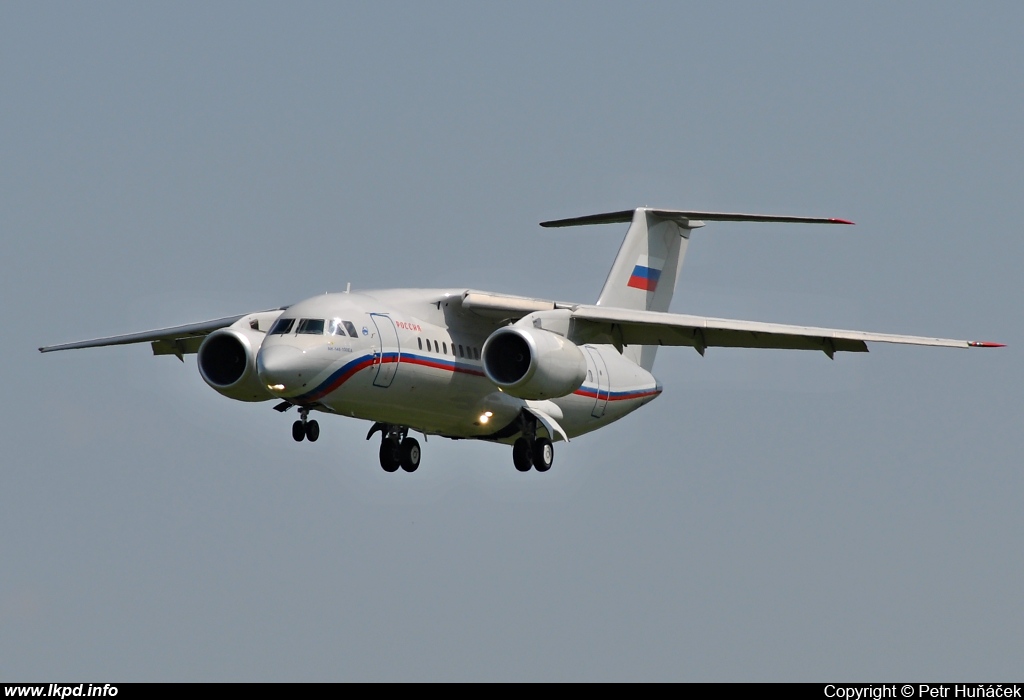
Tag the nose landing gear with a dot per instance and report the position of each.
(304, 428)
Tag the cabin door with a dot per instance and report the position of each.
(388, 352)
(600, 370)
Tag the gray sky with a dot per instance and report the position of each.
(773, 516)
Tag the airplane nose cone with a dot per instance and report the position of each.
(279, 364)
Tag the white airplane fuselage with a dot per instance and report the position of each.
(409, 366)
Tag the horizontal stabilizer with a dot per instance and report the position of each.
(685, 217)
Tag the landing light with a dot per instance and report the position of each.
(275, 387)
(484, 417)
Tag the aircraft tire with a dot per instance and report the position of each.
(312, 430)
(298, 431)
(390, 459)
(543, 454)
(410, 454)
(521, 456)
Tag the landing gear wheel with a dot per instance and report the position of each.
(312, 430)
(521, 456)
(390, 459)
(543, 454)
(410, 454)
(298, 431)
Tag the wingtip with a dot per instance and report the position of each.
(984, 344)
(842, 221)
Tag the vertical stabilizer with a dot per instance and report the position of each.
(644, 273)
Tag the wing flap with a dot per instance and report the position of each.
(178, 346)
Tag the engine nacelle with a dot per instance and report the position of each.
(531, 363)
(227, 362)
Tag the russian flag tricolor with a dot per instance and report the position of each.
(646, 273)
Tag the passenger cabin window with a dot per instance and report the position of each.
(311, 326)
(282, 326)
(351, 329)
(461, 353)
(436, 348)
(419, 341)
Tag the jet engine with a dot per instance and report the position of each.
(531, 363)
(227, 362)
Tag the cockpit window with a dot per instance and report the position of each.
(338, 327)
(311, 326)
(282, 326)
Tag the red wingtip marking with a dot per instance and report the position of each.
(841, 221)
(982, 344)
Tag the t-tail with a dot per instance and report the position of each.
(644, 274)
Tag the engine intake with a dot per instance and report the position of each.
(227, 362)
(531, 363)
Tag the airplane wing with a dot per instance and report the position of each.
(175, 340)
(603, 324)
(629, 327)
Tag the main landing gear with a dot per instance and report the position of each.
(305, 428)
(540, 454)
(532, 451)
(397, 449)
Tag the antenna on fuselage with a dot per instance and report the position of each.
(348, 287)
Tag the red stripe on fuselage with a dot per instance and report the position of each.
(448, 366)
(617, 396)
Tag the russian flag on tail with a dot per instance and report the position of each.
(646, 273)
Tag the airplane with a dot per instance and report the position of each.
(469, 364)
